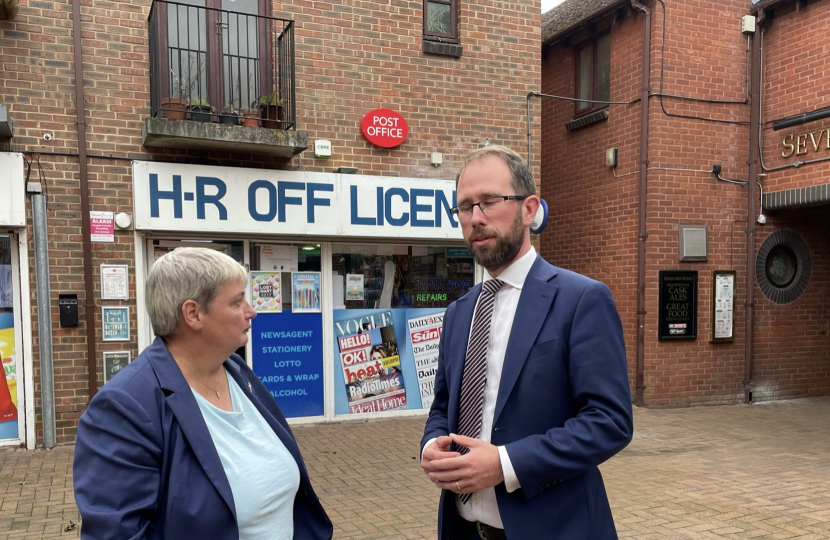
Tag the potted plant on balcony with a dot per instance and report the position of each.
(250, 118)
(175, 107)
(200, 110)
(270, 109)
(231, 116)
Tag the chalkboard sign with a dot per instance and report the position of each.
(678, 304)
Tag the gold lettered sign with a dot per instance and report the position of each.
(678, 304)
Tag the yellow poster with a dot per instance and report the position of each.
(8, 359)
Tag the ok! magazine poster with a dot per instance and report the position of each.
(371, 364)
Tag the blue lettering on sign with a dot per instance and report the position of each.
(441, 200)
(272, 200)
(400, 192)
(203, 198)
(283, 200)
(426, 207)
(414, 207)
(357, 220)
(156, 195)
(314, 201)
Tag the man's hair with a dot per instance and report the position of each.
(184, 274)
(521, 179)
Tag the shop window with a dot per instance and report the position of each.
(8, 392)
(389, 303)
(593, 74)
(399, 276)
(287, 291)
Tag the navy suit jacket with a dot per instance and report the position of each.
(563, 407)
(146, 466)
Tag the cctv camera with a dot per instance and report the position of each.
(47, 137)
(762, 219)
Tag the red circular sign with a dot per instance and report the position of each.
(384, 128)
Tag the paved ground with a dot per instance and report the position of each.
(760, 472)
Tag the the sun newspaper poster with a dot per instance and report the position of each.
(371, 365)
(425, 335)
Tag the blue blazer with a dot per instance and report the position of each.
(563, 407)
(146, 467)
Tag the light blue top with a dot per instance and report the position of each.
(263, 475)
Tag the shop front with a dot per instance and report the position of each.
(17, 422)
(350, 276)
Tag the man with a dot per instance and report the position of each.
(528, 400)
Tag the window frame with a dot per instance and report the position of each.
(592, 42)
(451, 37)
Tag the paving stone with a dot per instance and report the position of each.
(726, 472)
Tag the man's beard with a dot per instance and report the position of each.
(504, 249)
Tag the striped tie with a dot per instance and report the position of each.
(475, 368)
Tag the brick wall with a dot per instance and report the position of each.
(351, 57)
(594, 222)
(796, 80)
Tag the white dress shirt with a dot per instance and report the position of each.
(483, 506)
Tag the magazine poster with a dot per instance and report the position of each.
(370, 363)
(305, 292)
(115, 361)
(115, 323)
(8, 391)
(265, 292)
(354, 287)
(424, 337)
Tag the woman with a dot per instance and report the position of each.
(187, 442)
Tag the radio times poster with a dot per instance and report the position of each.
(385, 359)
(371, 365)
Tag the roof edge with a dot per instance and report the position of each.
(607, 10)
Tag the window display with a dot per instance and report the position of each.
(287, 334)
(389, 311)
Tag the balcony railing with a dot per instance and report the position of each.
(213, 65)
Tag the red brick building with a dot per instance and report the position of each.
(685, 141)
(127, 118)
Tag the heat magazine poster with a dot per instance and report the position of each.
(368, 352)
(404, 341)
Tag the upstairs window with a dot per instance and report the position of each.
(593, 74)
(441, 20)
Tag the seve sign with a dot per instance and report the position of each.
(384, 128)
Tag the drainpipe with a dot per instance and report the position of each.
(639, 399)
(751, 194)
(84, 188)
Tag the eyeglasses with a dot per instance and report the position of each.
(488, 206)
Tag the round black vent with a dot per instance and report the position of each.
(783, 266)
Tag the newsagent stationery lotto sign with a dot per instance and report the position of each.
(288, 359)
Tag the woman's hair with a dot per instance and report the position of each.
(187, 274)
(379, 348)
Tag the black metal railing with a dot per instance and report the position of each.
(213, 65)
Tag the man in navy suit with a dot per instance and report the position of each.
(555, 399)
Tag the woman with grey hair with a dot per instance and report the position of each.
(187, 442)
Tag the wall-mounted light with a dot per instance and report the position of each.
(436, 158)
(611, 157)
